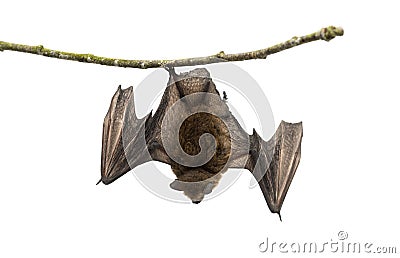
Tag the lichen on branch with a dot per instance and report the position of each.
(326, 34)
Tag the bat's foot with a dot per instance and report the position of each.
(171, 71)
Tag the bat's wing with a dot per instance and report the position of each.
(274, 163)
(125, 138)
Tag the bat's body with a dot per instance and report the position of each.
(208, 174)
(129, 141)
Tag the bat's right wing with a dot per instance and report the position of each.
(274, 163)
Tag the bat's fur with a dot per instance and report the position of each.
(207, 175)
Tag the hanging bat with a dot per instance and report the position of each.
(195, 133)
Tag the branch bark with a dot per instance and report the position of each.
(326, 34)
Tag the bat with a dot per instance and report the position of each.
(194, 132)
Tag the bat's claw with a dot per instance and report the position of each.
(171, 70)
(98, 182)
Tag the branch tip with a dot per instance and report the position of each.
(331, 32)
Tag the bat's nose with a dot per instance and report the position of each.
(196, 202)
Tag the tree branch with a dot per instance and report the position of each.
(326, 34)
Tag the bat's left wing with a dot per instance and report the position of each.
(125, 138)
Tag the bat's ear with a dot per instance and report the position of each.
(176, 185)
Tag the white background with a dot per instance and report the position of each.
(51, 113)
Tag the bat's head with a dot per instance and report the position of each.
(195, 190)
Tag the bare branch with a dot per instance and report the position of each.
(326, 34)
